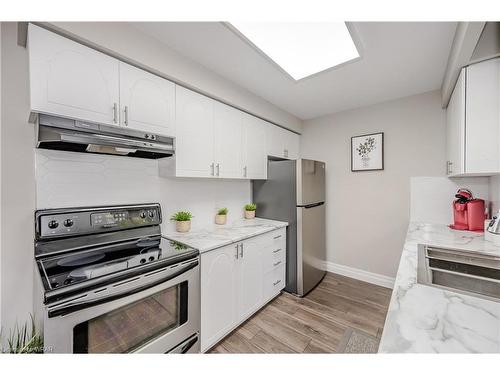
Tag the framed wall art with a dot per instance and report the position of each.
(367, 152)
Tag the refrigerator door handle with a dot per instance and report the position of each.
(311, 205)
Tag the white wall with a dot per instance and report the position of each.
(18, 183)
(431, 197)
(130, 44)
(68, 179)
(368, 212)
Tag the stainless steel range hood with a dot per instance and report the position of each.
(58, 133)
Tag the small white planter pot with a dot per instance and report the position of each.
(183, 226)
(249, 214)
(220, 219)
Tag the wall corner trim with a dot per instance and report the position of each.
(359, 274)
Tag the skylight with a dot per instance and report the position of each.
(301, 48)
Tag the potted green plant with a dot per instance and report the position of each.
(25, 339)
(221, 217)
(182, 221)
(250, 210)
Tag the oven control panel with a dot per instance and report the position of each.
(70, 222)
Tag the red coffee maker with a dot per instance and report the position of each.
(468, 212)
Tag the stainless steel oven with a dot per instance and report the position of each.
(114, 285)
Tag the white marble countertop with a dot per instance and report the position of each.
(221, 235)
(425, 319)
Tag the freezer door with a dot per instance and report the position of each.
(311, 246)
(310, 181)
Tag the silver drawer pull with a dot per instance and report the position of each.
(277, 237)
(277, 264)
(276, 251)
(277, 282)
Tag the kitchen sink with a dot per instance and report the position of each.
(459, 271)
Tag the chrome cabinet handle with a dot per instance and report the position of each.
(241, 250)
(277, 263)
(449, 168)
(212, 169)
(125, 110)
(236, 251)
(277, 237)
(115, 112)
(245, 171)
(276, 251)
(218, 169)
(277, 282)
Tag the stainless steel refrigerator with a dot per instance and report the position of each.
(295, 192)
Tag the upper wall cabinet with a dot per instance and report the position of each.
(282, 143)
(473, 122)
(194, 149)
(71, 80)
(228, 123)
(147, 101)
(254, 152)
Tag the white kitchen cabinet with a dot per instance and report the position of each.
(71, 80)
(455, 129)
(473, 122)
(194, 150)
(219, 294)
(282, 143)
(237, 280)
(228, 123)
(482, 118)
(254, 149)
(292, 145)
(147, 101)
(251, 276)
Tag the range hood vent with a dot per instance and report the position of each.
(56, 133)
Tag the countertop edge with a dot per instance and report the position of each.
(203, 249)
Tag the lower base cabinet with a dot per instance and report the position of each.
(237, 280)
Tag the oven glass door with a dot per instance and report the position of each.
(131, 326)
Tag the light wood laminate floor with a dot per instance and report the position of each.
(313, 324)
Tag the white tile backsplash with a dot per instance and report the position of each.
(67, 179)
(495, 193)
(431, 197)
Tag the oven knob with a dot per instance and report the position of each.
(151, 259)
(143, 215)
(53, 224)
(151, 213)
(68, 223)
(142, 261)
(146, 136)
(69, 280)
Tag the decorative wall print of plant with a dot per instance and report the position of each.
(366, 147)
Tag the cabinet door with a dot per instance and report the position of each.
(71, 80)
(482, 131)
(275, 141)
(455, 129)
(254, 148)
(194, 150)
(147, 101)
(228, 134)
(292, 145)
(219, 290)
(251, 278)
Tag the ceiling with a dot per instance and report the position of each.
(397, 59)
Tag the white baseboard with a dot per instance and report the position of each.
(356, 273)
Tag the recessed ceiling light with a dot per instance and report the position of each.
(301, 48)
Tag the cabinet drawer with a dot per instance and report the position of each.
(274, 257)
(274, 281)
(274, 238)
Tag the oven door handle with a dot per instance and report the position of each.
(80, 304)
